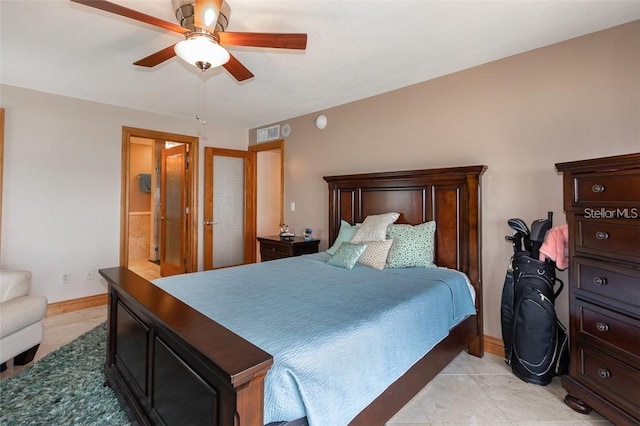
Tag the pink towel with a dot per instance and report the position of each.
(556, 246)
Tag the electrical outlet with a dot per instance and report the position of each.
(66, 278)
(91, 274)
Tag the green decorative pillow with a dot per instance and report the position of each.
(375, 254)
(347, 255)
(412, 245)
(346, 233)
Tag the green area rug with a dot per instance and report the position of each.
(65, 387)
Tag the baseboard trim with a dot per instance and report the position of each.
(77, 304)
(493, 345)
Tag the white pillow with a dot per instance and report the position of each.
(375, 255)
(374, 227)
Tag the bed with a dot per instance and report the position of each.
(170, 363)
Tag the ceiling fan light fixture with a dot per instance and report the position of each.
(201, 51)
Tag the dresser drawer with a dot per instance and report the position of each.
(309, 248)
(271, 255)
(600, 279)
(617, 189)
(274, 249)
(610, 327)
(608, 238)
(613, 380)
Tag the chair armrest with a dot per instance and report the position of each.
(21, 312)
(14, 284)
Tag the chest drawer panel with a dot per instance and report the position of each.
(612, 328)
(602, 205)
(612, 281)
(605, 188)
(610, 377)
(609, 239)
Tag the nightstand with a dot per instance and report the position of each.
(273, 247)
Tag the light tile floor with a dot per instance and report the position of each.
(483, 391)
(470, 391)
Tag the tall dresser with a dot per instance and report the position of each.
(602, 204)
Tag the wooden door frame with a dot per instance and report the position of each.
(249, 205)
(251, 200)
(192, 193)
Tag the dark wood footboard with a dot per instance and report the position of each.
(169, 364)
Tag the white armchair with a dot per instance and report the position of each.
(21, 318)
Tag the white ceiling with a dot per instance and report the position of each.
(355, 49)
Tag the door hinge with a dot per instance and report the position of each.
(187, 160)
(186, 210)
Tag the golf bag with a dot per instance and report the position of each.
(535, 342)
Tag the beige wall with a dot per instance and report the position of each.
(62, 171)
(519, 116)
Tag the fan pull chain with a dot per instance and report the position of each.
(203, 104)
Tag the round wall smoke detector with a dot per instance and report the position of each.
(321, 121)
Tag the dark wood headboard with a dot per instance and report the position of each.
(450, 196)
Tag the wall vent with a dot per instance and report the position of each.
(268, 134)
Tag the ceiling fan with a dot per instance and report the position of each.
(203, 24)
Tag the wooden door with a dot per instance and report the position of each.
(229, 210)
(173, 210)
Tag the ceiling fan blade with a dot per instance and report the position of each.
(275, 40)
(157, 58)
(237, 70)
(130, 13)
(206, 14)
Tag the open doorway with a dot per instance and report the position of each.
(269, 190)
(159, 202)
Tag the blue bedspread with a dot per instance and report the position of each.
(338, 337)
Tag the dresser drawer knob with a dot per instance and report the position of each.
(273, 249)
(597, 188)
(599, 280)
(604, 373)
(601, 326)
(601, 235)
